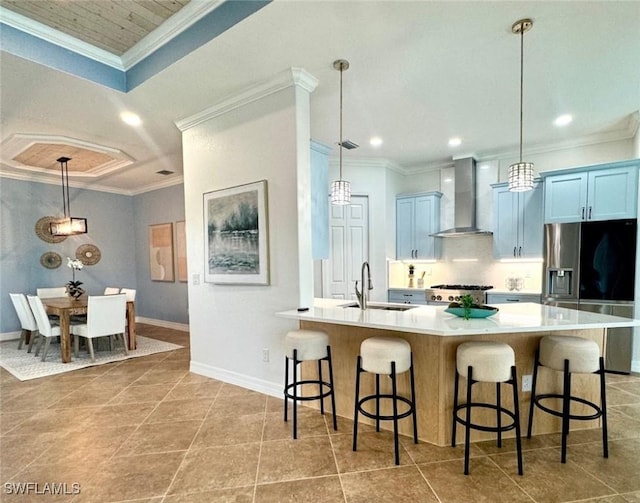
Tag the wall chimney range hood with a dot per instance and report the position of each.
(464, 203)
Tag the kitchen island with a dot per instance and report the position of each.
(434, 336)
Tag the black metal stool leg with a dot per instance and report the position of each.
(357, 405)
(455, 408)
(566, 409)
(286, 384)
(333, 396)
(533, 394)
(394, 393)
(413, 402)
(320, 387)
(295, 394)
(603, 408)
(499, 414)
(467, 427)
(516, 412)
(378, 402)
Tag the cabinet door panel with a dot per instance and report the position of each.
(612, 194)
(404, 228)
(565, 198)
(425, 214)
(531, 228)
(505, 226)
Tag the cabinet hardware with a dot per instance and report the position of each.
(520, 252)
(582, 217)
(514, 251)
(589, 212)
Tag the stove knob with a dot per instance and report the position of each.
(450, 298)
(433, 297)
(439, 297)
(457, 297)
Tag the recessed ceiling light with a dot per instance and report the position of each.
(455, 142)
(375, 141)
(131, 118)
(563, 120)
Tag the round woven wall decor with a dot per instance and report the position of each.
(44, 233)
(51, 260)
(88, 254)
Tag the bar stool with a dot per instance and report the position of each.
(387, 356)
(491, 362)
(306, 345)
(570, 355)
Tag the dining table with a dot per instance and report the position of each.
(65, 307)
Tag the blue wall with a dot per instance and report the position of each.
(156, 299)
(114, 227)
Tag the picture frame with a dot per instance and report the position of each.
(236, 235)
(161, 252)
(181, 252)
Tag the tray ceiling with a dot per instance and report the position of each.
(114, 26)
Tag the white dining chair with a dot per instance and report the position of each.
(130, 293)
(46, 329)
(50, 293)
(110, 290)
(27, 321)
(105, 316)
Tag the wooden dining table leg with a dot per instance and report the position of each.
(131, 325)
(65, 337)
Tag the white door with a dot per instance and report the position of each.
(349, 248)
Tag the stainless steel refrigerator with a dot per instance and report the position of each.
(591, 266)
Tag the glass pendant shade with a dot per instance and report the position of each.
(521, 177)
(68, 226)
(340, 192)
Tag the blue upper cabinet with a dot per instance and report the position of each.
(517, 222)
(319, 200)
(606, 192)
(417, 216)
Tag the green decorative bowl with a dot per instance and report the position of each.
(473, 312)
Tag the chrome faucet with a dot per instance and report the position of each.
(362, 296)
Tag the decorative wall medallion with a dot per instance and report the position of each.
(88, 254)
(51, 260)
(44, 233)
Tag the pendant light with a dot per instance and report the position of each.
(521, 173)
(341, 189)
(68, 225)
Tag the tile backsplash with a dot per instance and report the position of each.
(469, 260)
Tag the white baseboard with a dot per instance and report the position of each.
(9, 336)
(266, 387)
(164, 324)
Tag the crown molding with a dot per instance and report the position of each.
(630, 131)
(53, 36)
(298, 77)
(163, 184)
(176, 24)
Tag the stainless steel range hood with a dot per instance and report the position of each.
(464, 203)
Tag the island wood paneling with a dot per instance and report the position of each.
(434, 364)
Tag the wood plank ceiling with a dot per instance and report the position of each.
(113, 25)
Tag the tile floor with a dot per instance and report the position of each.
(148, 430)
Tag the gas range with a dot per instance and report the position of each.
(439, 294)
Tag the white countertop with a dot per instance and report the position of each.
(516, 317)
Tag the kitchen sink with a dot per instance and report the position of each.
(383, 307)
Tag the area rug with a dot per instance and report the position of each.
(25, 366)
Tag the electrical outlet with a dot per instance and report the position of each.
(527, 382)
(265, 355)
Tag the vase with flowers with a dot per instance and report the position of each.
(73, 286)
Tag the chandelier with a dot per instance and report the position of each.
(67, 225)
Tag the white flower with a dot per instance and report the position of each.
(75, 264)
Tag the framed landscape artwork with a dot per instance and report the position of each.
(161, 252)
(236, 235)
